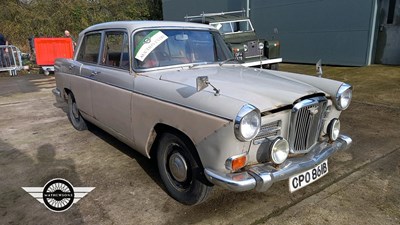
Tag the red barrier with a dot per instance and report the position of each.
(48, 49)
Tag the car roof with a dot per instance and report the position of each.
(138, 24)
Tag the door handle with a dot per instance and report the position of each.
(94, 73)
(71, 67)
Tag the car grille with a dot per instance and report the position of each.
(306, 124)
(253, 50)
(268, 130)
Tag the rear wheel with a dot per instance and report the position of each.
(74, 115)
(179, 170)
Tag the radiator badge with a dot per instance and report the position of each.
(313, 110)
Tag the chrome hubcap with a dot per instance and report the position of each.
(178, 167)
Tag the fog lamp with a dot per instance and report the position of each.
(279, 150)
(334, 129)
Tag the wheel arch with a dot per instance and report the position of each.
(161, 128)
(66, 93)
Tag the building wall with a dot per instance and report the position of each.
(178, 9)
(388, 34)
(336, 31)
(339, 32)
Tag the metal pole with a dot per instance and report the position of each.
(248, 9)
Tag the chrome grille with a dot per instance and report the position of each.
(306, 123)
(268, 130)
(253, 50)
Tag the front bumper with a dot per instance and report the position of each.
(258, 62)
(260, 177)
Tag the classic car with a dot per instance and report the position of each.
(240, 36)
(174, 92)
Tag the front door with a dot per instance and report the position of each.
(112, 91)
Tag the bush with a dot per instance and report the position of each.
(21, 19)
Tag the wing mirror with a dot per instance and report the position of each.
(201, 82)
(318, 68)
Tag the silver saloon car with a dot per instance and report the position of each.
(174, 92)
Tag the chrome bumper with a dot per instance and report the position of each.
(261, 177)
(57, 94)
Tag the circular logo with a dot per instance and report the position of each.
(58, 195)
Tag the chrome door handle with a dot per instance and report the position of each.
(94, 73)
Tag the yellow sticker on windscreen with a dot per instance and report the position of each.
(149, 43)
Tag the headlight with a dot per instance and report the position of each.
(247, 123)
(245, 48)
(279, 150)
(343, 96)
(334, 129)
(261, 46)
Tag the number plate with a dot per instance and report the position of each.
(303, 179)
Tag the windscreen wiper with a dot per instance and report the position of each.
(228, 60)
(197, 64)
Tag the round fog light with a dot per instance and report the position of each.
(279, 150)
(334, 129)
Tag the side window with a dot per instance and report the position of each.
(226, 28)
(115, 51)
(90, 48)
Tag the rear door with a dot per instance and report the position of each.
(88, 56)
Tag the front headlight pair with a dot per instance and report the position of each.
(343, 96)
(260, 47)
(247, 123)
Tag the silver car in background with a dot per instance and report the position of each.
(173, 91)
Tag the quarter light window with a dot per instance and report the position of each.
(90, 48)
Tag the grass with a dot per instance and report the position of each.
(375, 84)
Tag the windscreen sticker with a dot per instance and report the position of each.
(149, 43)
(219, 26)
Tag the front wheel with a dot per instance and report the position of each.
(74, 115)
(179, 170)
(275, 66)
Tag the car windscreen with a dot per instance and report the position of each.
(233, 26)
(159, 48)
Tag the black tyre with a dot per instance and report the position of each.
(275, 66)
(74, 115)
(179, 170)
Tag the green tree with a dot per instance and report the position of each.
(43, 18)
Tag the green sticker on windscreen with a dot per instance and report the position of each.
(149, 43)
